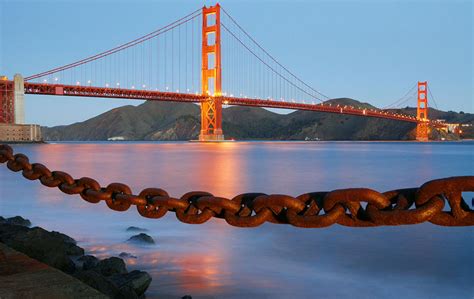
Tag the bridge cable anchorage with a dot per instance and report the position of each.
(309, 210)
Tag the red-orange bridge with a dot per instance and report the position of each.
(205, 57)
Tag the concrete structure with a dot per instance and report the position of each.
(19, 98)
(24, 277)
(20, 133)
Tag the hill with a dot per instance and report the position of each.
(181, 121)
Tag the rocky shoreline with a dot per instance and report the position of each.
(109, 276)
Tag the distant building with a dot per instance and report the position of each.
(116, 138)
(451, 128)
(20, 133)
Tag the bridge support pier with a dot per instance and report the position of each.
(19, 99)
(422, 131)
(211, 84)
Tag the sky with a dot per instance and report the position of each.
(372, 51)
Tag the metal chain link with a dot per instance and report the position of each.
(316, 209)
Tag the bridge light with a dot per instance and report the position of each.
(133, 86)
(78, 83)
(166, 87)
(45, 80)
(89, 81)
(144, 86)
(226, 102)
(118, 84)
(56, 79)
(177, 90)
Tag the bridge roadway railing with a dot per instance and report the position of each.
(155, 95)
(439, 201)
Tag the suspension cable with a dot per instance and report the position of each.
(271, 57)
(139, 40)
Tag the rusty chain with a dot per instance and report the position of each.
(349, 207)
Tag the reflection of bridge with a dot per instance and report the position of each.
(163, 66)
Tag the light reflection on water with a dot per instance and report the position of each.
(214, 259)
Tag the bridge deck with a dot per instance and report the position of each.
(155, 95)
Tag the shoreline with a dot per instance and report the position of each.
(238, 141)
(109, 276)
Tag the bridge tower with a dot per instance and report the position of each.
(7, 101)
(211, 110)
(422, 127)
(12, 100)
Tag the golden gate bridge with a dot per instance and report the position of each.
(205, 57)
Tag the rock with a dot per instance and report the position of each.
(8, 231)
(2, 220)
(127, 255)
(142, 238)
(110, 266)
(136, 229)
(98, 282)
(138, 281)
(88, 262)
(186, 297)
(64, 237)
(18, 220)
(42, 245)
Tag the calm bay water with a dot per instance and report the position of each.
(215, 260)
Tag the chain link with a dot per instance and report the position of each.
(349, 207)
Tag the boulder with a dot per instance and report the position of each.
(138, 281)
(186, 297)
(110, 266)
(88, 262)
(142, 238)
(136, 229)
(41, 245)
(127, 255)
(98, 282)
(64, 237)
(2, 220)
(18, 220)
(8, 231)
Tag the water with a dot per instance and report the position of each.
(215, 260)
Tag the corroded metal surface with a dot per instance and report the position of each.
(438, 201)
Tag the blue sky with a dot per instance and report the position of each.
(372, 51)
